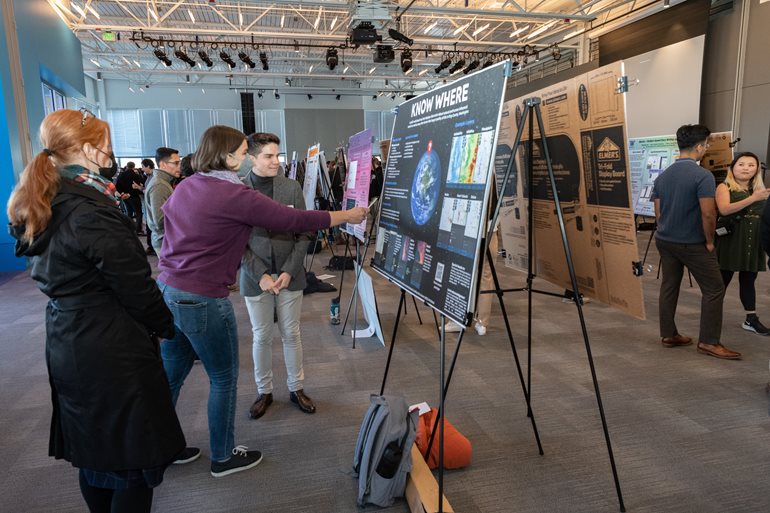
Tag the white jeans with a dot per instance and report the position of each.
(288, 304)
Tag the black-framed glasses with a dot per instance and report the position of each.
(86, 115)
(175, 162)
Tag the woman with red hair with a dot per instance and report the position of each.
(113, 417)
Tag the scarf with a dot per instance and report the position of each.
(93, 180)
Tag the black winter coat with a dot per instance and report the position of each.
(112, 406)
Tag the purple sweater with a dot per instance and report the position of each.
(207, 225)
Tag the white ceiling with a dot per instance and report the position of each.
(295, 37)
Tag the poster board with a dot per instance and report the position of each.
(648, 157)
(357, 180)
(584, 121)
(293, 167)
(311, 177)
(365, 290)
(719, 155)
(436, 192)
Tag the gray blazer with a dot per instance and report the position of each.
(289, 248)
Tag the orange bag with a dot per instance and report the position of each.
(457, 448)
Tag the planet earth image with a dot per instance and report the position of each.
(425, 187)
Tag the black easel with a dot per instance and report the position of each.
(533, 104)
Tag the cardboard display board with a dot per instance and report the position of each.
(311, 177)
(358, 178)
(437, 184)
(648, 157)
(584, 121)
(719, 155)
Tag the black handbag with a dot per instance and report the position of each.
(726, 225)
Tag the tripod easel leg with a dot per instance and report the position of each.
(401, 303)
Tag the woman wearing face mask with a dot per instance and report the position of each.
(208, 220)
(113, 417)
(740, 200)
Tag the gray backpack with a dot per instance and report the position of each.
(383, 455)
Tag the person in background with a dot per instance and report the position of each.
(740, 201)
(113, 417)
(185, 167)
(207, 225)
(130, 182)
(158, 190)
(686, 213)
(272, 280)
(148, 166)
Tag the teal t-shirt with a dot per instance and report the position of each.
(679, 189)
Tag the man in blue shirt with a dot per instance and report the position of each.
(686, 213)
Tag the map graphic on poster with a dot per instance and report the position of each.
(437, 185)
(311, 177)
(584, 123)
(357, 181)
(648, 157)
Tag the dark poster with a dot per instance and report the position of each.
(437, 182)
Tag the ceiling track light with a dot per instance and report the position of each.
(226, 58)
(472, 66)
(487, 64)
(406, 60)
(338, 97)
(666, 4)
(398, 36)
(332, 58)
(556, 53)
(244, 57)
(309, 96)
(259, 94)
(182, 56)
(277, 96)
(205, 58)
(444, 65)
(263, 60)
(162, 57)
(457, 66)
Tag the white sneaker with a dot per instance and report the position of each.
(481, 329)
(452, 327)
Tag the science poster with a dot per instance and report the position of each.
(358, 178)
(437, 185)
(584, 124)
(311, 177)
(648, 157)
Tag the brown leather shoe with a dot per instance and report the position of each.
(260, 405)
(718, 351)
(304, 402)
(676, 341)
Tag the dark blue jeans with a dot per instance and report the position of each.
(205, 326)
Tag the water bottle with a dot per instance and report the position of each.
(334, 311)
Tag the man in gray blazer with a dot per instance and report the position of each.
(273, 278)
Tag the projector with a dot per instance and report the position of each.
(364, 34)
(384, 53)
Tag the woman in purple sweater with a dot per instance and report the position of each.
(207, 224)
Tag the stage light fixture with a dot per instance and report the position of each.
(666, 4)
(444, 65)
(487, 64)
(244, 57)
(331, 58)
(398, 36)
(374, 97)
(263, 60)
(259, 94)
(162, 57)
(205, 58)
(473, 65)
(226, 58)
(277, 96)
(182, 56)
(309, 96)
(338, 97)
(457, 66)
(556, 53)
(406, 60)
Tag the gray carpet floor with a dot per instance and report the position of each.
(690, 432)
